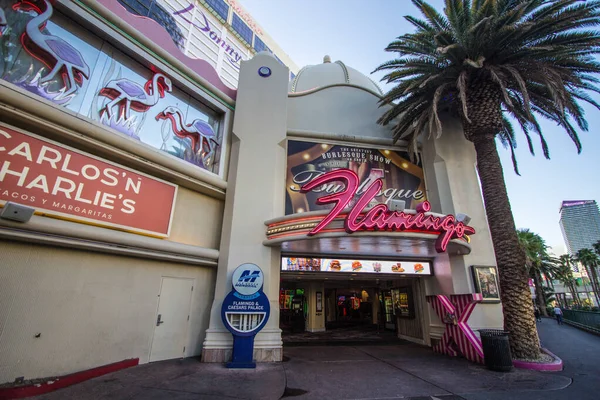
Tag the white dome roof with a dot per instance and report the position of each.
(328, 73)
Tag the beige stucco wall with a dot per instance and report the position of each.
(90, 309)
(324, 111)
(197, 219)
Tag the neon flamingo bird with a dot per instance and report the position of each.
(199, 132)
(53, 51)
(133, 96)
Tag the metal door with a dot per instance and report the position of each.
(172, 320)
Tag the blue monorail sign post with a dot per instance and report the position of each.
(245, 311)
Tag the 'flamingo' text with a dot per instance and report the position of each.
(380, 217)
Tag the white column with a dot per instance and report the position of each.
(255, 193)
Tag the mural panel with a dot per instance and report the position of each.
(47, 54)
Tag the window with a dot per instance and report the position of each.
(220, 7)
(259, 45)
(241, 28)
(150, 9)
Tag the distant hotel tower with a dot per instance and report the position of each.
(580, 224)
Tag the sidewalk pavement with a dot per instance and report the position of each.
(358, 372)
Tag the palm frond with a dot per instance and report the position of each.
(535, 58)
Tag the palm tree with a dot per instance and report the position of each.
(482, 60)
(565, 275)
(590, 261)
(596, 247)
(539, 264)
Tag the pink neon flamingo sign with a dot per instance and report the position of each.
(380, 217)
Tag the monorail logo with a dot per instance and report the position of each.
(247, 279)
(380, 217)
(232, 55)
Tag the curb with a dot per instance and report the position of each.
(37, 389)
(556, 365)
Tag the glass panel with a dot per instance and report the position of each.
(220, 7)
(241, 28)
(259, 45)
(55, 64)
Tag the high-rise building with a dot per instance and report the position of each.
(580, 224)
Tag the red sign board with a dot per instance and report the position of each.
(63, 182)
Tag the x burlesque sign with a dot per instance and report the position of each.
(380, 217)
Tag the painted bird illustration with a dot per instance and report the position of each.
(199, 132)
(133, 96)
(53, 51)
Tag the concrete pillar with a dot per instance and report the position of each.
(255, 193)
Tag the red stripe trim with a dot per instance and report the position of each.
(64, 381)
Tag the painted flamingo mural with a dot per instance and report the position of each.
(128, 95)
(54, 52)
(201, 134)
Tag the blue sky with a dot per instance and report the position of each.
(357, 31)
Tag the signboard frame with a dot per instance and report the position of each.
(81, 219)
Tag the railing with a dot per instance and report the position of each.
(588, 320)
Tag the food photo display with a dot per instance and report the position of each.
(356, 266)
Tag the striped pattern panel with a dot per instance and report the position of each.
(458, 338)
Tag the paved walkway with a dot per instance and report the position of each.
(404, 370)
(580, 352)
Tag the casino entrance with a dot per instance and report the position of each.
(340, 301)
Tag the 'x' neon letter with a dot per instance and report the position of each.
(458, 338)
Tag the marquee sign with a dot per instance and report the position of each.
(63, 182)
(379, 217)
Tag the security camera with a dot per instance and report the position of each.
(397, 205)
(464, 218)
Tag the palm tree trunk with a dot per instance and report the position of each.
(575, 294)
(539, 293)
(587, 291)
(595, 285)
(514, 291)
(591, 275)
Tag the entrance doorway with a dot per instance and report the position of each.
(172, 320)
(334, 300)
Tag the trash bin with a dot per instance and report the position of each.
(496, 350)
